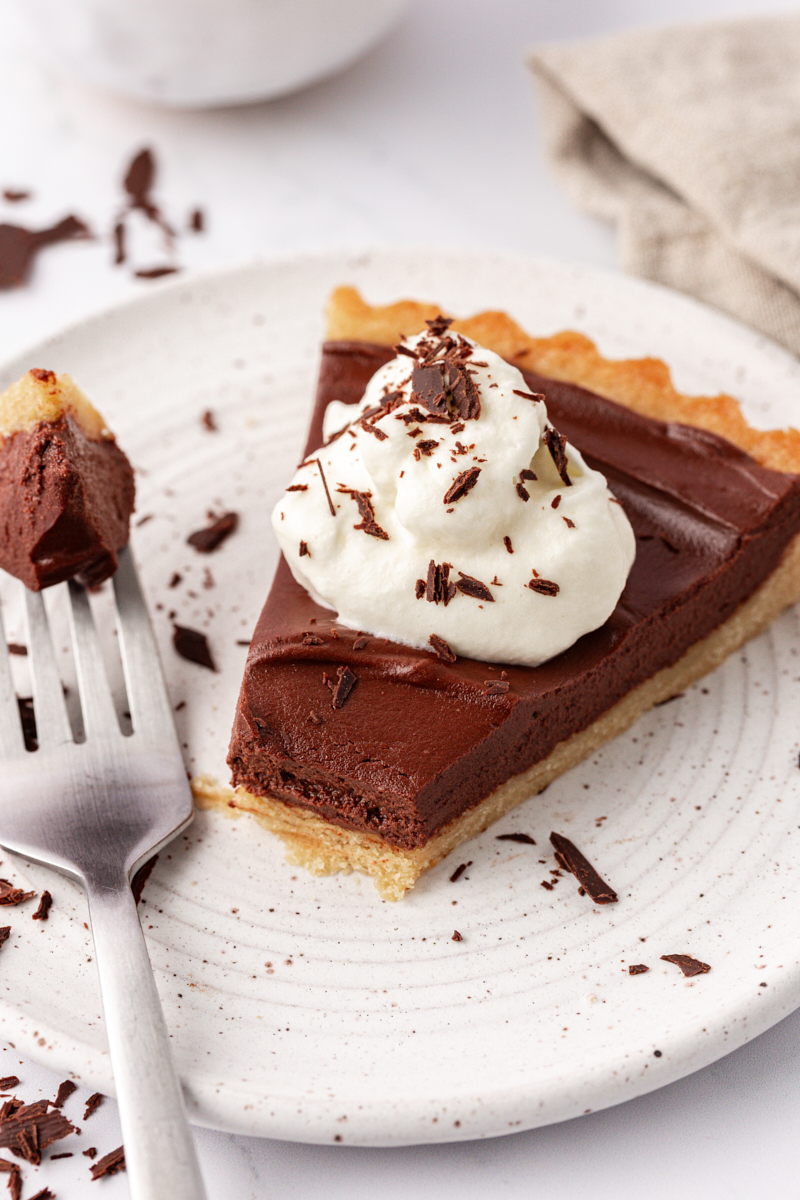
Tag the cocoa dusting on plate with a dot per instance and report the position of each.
(45, 904)
(208, 539)
(197, 221)
(298, 487)
(474, 587)
(570, 858)
(690, 966)
(109, 1164)
(92, 1104)
(11, 895)
(637, 969)
(459, 871)
(555, 443)
(523, 838)
(19, 247)
(546, 884)
(426, 447)
(346, 680)
(456, 936)
(208, 421)
(141, 877)
(462, 484)
(312, 639)
(27, 1129)
(8, 1082)
(192, 645)
(545, 587)
(441, 648)
(65, 1090)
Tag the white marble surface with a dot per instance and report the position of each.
(338, 165)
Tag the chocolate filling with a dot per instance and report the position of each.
(65, 504)
(420, 740)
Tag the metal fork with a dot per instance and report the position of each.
(97, 810)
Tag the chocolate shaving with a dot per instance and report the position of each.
(528, 395)
(373, 429)
(437, 586)
(690, 966)
(141, 877)
(5, 933)
(426, 447)
(439, 325)
(419, 589)
(312, 639)
(155, 272)
(446, 388)
(523, 492)
(570, 858)
(14, 1178)
(462, 484)
(10, 1081)
(197, 221)
(91, 1152)
(193, 645)
(547, 884)
(346, 680)
(92, 1104)
(15, 648)
(298, 487)
(367, 513)
(554, 503)
(15, 195)
(27, 1129)
(555, 443)
(322, 475)
(545, 587)
(474, 587)
(527, 473)
(65, 1090)
(303, 552)
(523, 838)
(459, 871)
(495, 687)
(28, 721)
(45, 904)
(441, 648)
(19, 247)
(315, 718)
(10, 895)
(360, 643)
(401, 349)
(637, 969)
(569, 524)
(109, 1164)
(456, 936)
(507, 544)
(208, 539)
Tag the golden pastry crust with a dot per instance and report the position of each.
(42, 396)
(643, 385)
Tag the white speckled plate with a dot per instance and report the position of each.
(309, 1009)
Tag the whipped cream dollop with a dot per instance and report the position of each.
(445, 512)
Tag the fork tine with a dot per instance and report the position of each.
(99, 715)
(148, 700)
(11, 740)
(52, 723)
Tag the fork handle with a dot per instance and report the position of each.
(160, 1155)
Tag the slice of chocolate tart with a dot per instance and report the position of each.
(365, 754)
(66, 488)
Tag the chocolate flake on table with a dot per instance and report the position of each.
(437, 588)
(197, 221)
(15, 1178)
(427, 447)
(91, 1152)
(208, 539)
(304, 551)
(474, 587)
(15, 195)
(63, 1154)
(545, 587)
(65, 1090)
(11, 895)
(155, 272)
(456, 936)
(346, 680)
(11, 1081)
(27, 1129)
(507, 544)
(45, 904)
(554, 503)
(92, 1104)
(15, 648)
(528, 395)
(109, 1164)
(208, 421)
(141, 877)
(555, 443)
(570, 858)
(360, 643)
(548, 885)
(462, 484)
(523, 492)
(45, 1193)
(637, 969)
(459, 871)
(366, 512)
(19, 247)
(5, 934)
(441, 648)
(690, 966)
(298, 487)
(193, 645)
(495, 687)
(28, 721)
(523, 838)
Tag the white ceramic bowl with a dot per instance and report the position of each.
(197, 53)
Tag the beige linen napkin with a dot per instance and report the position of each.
(689, 138)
